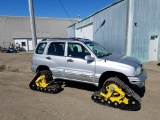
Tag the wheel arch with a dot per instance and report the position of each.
(109, 74)
(42, 67)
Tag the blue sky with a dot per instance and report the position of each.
(52, 8)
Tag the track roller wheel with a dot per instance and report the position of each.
(102, 100)
(116, 104)
(134, 104)
(49, 90)
(41, 88)
(95, 96)
(122, 106)
(38, 88)
(109, 103)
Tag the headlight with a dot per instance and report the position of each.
(138, 70)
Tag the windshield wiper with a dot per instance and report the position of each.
(108, 54)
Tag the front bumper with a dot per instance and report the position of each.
(139, 80)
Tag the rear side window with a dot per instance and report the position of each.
(40, 48)
(56, 48)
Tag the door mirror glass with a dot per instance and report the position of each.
(89, 58)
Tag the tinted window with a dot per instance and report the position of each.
(77, 50)
(40, 48)
(56, 48)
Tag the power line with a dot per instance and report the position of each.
(65, 11)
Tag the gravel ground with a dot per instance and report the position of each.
(18, 102)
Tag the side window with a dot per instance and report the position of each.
(40, 48)
(77, 50)
(56, 48)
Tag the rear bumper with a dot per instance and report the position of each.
(33, 68)
(139, 80)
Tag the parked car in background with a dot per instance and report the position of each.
(9, 50)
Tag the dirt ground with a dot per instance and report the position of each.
(18, 102)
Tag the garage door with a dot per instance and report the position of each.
(85, 32)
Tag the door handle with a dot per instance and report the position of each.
(48, 58)
(69, 60)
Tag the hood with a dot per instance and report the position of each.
(122, 59)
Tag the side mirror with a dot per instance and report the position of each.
(89, 58)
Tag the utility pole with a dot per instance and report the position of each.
(32, 22)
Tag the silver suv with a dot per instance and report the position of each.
(85, 61)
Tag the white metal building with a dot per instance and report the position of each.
(26, 44)
(15, 29)
(127, 27)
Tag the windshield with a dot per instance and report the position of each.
(97, 49)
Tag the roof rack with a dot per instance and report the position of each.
(71, 38)
(76, 38)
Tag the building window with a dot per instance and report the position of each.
(23, 44)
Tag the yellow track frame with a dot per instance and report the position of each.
(41, 81)
(114, 94)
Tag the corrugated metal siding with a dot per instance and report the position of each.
(81, 24)
(84, 22)
(110, 27)
(12, 26)
(85, 32)
(2, 30)
(71, 31)
(147, 17)
(19, 27)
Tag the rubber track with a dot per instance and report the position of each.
(55, 88)
(126, 89)
(51, 88)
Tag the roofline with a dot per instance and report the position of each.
(99, 11)
(30, 38)
(72, 24)
(39, 17)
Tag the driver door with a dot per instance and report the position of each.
(76, 66)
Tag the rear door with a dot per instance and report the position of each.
(76, 66)
(153, 48)
(55, 58)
